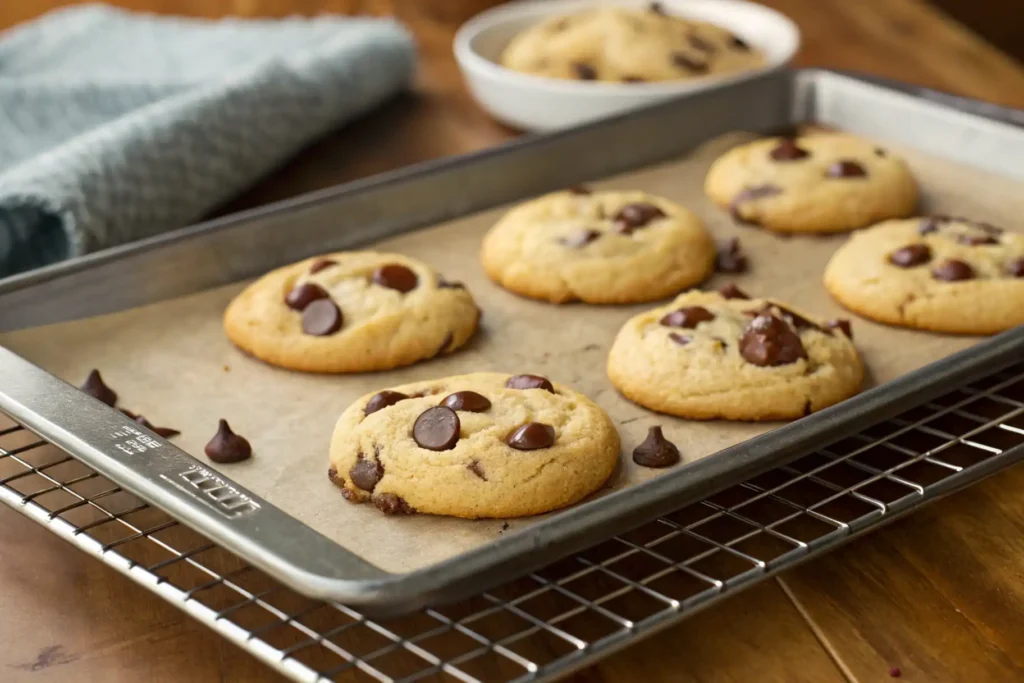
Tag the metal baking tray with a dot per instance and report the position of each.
(248, 244)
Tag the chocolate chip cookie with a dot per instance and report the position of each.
(598, 247)
(819, 183)
(616, 44)
(480, 445)
(351, 312)
(935, 273)
(706, 356)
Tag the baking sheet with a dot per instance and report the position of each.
(171, 362)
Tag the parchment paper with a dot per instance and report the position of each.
(171, 362)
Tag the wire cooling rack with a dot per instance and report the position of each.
(568, 614)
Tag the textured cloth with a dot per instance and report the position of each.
(116, 126)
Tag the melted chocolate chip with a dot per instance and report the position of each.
(730, 259)
(382, 400)
(445, 343)
(701, 44)
(332, 474)
(529, 382)
(584, 72)
(694, 66)
(634, 216)
(842, 325)
(469, 401)
(476, 469)
(366, 473)
(321, 318)
(788, 150)
(390, 504)
(95, 387)
(750, 194)
(437, 429)
(688, 317)
(320, 264)
(446, 284)
(739, 44)
(976, 240)
(532, 436)
(226, 446)
(580, 190)
(580, 238)
(731, 291)
(768, 341)
(656, 450)
(846, 169)
(911, 255)
(304, 295)
(952, 270)
(395, 276)
(680, 339)
(798, 321)
(1016, 268)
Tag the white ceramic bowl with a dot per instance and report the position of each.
(537, 103)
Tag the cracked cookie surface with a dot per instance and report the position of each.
(351, 312)
(705, 356)
(817, 183)
(480, 445)
(598, 247)
(934, 273)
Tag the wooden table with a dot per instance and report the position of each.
(939, 595)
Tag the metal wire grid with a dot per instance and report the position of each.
(569, 613)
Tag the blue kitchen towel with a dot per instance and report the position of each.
(116, 126)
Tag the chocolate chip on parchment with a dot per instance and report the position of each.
(656, 450)
(469, 401)
(581, 190)
(688, 317)
(750, 194)
(437, 429)
(531, 436)
(95, 387)
(701, 44)
(739, 44)
(952, 270)
(390, 504)
(321, 318)
(383, 399)
(768, 341)
(680, 339)
(842, 325)
(396, 276)
(320, 264)
(366, 473)
(684, 61)
(165, 432)
(730, 259)
(1016, 268)
(529, 382)
(226, 446)
(731, 291)
(911, 255)
(846, 169)
(304, 295)
(976, 240)
(476, 469)
(580, 238)
(634, 216)
(584, 72)
(788, 150)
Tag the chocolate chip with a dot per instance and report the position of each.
(95, 387)
(846, 169)
(320, 264)
(584, 72)
(731, 291)
(1016, 268)
(656, 450)
(437, 429)
(987, 227)
(911, 255)
(580, 190)
(842, 325)
(688, 317)
(952, 270)
(750, 194)
(165, 432)
(382, 400)
(226, 446)
(730, 259)
(633, 79)
(366, 473)
(976, 240)
(445, 343)
(446, 284)
(633, 216)
(798, 321)
(304, 295)
(467, 400)
(788, 150)
(658, 8)
(928, 225)
(532, 436)
(808, 407)
(321, 318)
(390, 504)
(692, 65)
(332, 474)
(680, 339)
(700, 44)
(475, 468)
(395, 276)
(529, 382)
(768, 341)
(739, 44)
(580, 238)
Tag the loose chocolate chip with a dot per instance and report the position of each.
(476, 469)
(680, 339)
(584, 72)
(580, 190)
(657, 8)
(928, 225)
(580, 238)
(952, 270)
(446, 284)
(467, 400)
(320, 264)
(304, 295)
(842, 325)
(700, 44)
(656, 450)
(739, 44)
(382, 400)
(1016, 268)
(730, 259)
(692, 65)
(750, 194)
(529, 382)
(321, 318)
(731, 291)
(768, 341)
(788, 150)
(437, 429)
(633, 216)
(165, 432)
(390, 504)
(846, 169)
(395, 276)
(976, 240)
(366, 473)
(633, 79)
(911, 255)
(688, 317)
(532, 436)
(226, 446)
(95, 387)
(332, 474)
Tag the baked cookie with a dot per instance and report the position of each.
(481, 445)
(711, 355)
(937, 273)
(351, 312)
(825, 182)
(628, 46)
(601, 248)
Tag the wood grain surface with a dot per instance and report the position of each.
(940, 595)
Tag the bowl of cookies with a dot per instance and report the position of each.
(549, 64)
